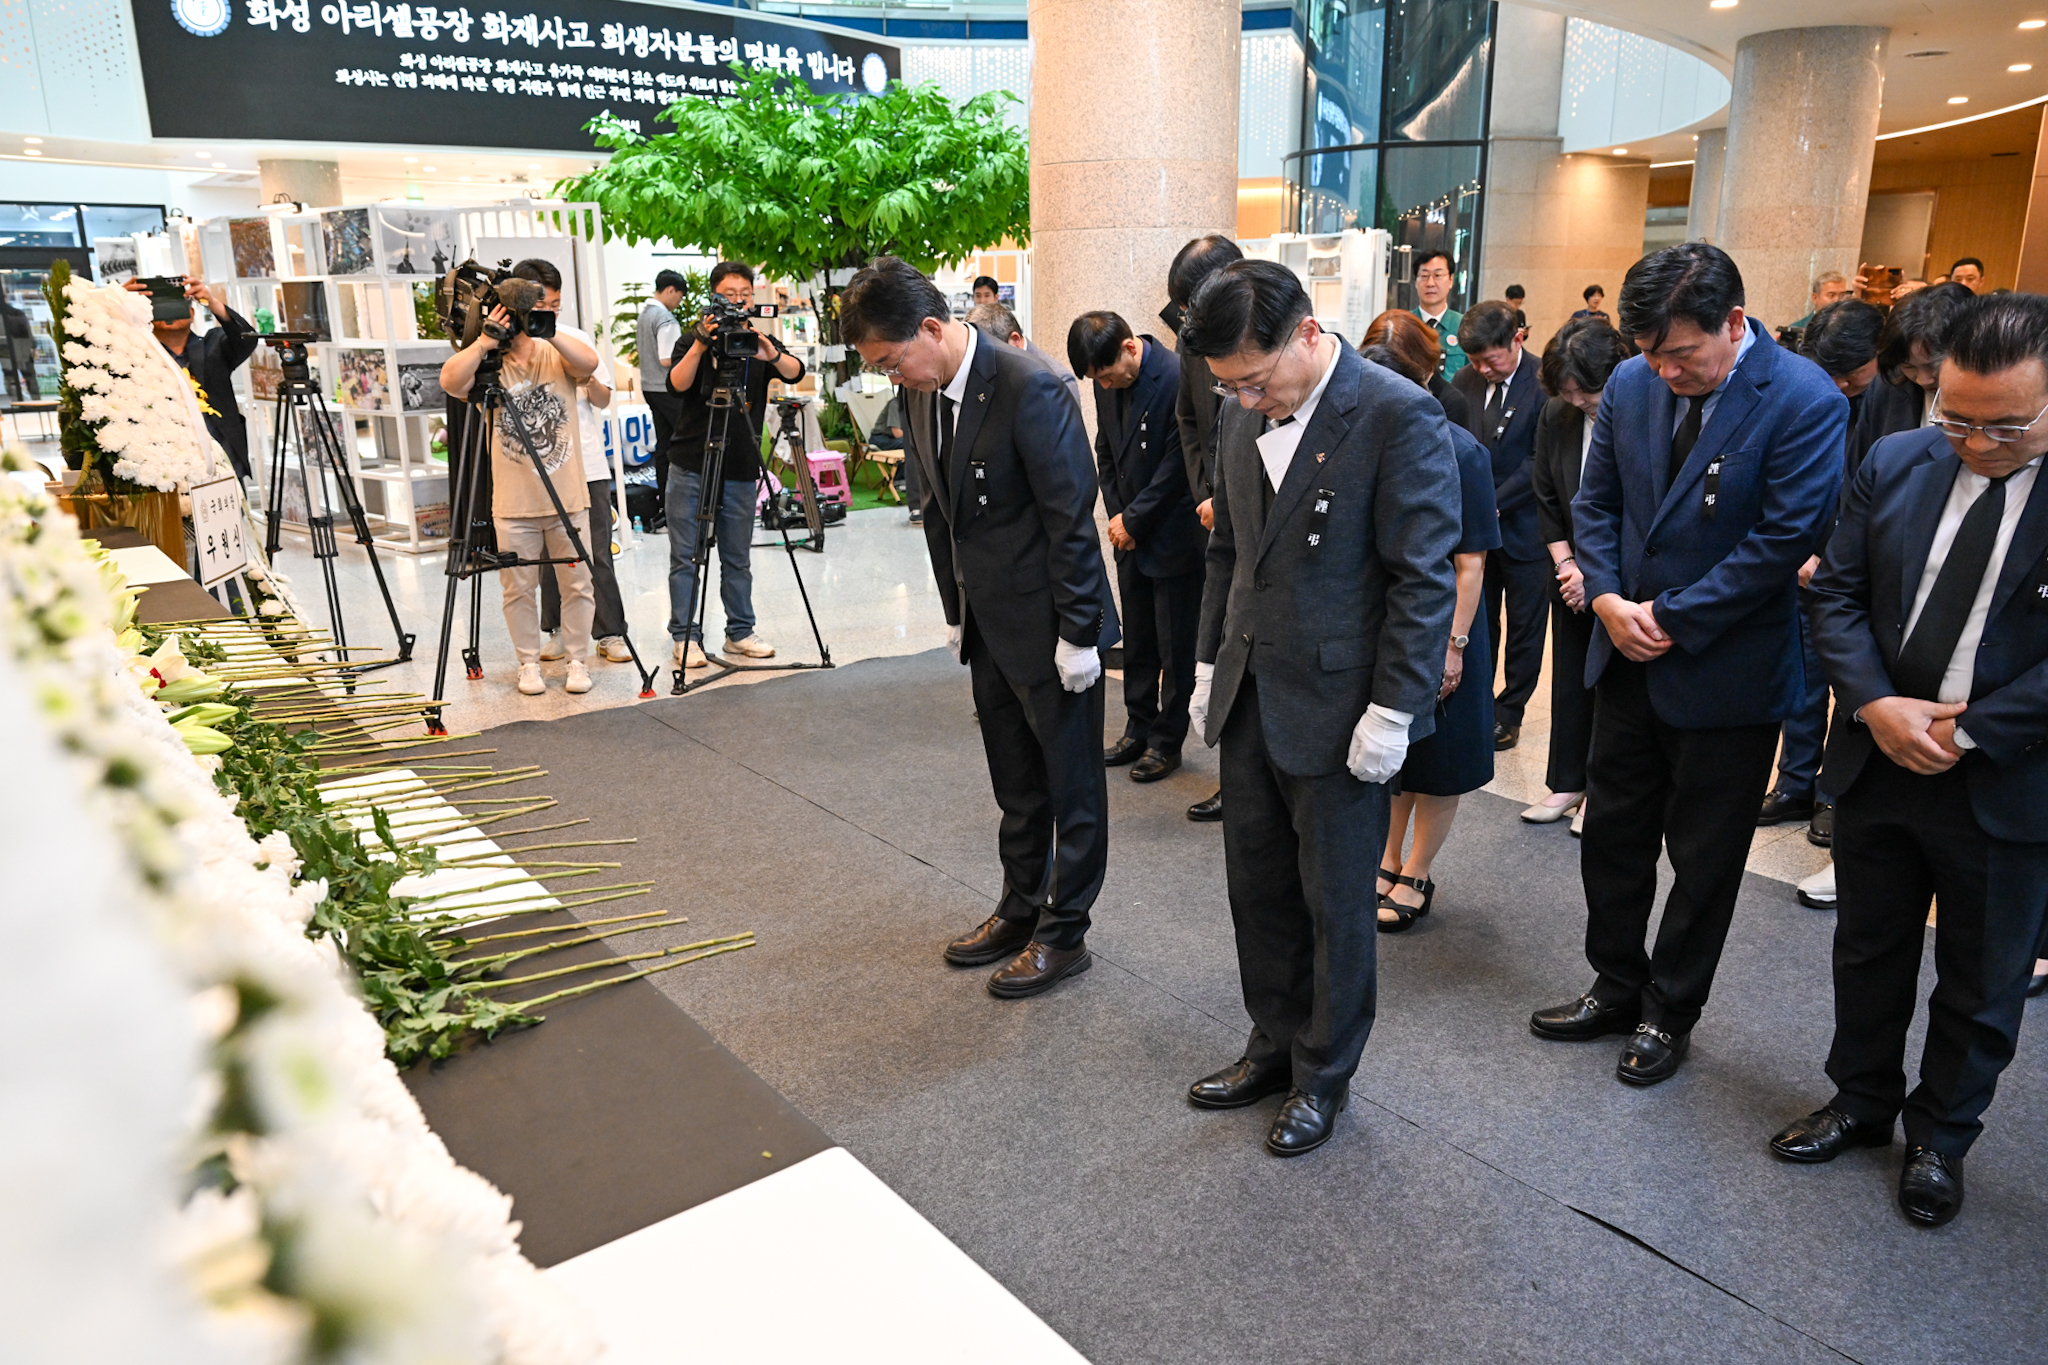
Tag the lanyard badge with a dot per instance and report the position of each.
(1710, 500)
(1319, 516)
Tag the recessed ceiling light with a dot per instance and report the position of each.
(2021, 66)
(412, 161)
(1621, 151)
(1958, 99)
(33, 141)
(428, 169)
(220, 165)
(204, 156)
(2034, 23)
(33, 152)
(1721, 4)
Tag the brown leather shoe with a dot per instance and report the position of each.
(1037, 968)
(997, 938)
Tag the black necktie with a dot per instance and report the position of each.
(1434, 324)
(1686, 437)
(1923, 660)
(946, 441)
(1491, 423)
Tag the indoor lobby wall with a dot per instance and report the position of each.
(1555, 224)
(1980, 209)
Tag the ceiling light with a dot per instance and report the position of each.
(2034, 23)
(1621, 151)
(1958, 99)
(428, 169)
(220, 165)
(33, 141)
(33, 152)
(1721, 4)
(412, 161)
(2021, 66)
(204, 156)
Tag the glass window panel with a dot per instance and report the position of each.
(39, 225)
(1338, 191)
(28, 348)
(1348, 40)
(1436, 54)
(122, 220)
(1429, 200)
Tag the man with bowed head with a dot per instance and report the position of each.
(1008, 491)
(1325, 622)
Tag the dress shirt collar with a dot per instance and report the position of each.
(1277, 446)
(957, 389)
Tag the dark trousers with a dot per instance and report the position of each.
(1299, 854)
(1044, 747)
(1571, 701)
(1160, 618)
(1901, 840)
(1523, 587)
(604, 579)
(666, 409)
(1805, 731)
(1652, 786)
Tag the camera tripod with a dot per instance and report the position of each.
(729, 397)
(321, 459)
(470, 530)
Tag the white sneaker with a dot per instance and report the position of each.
(1818, 891)
(529, 680)
(579, 677)
(693, 656)
(753, 647)
(1579, 821)
(551, 648)
(613, 649)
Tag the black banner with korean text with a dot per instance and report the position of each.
(365, 71)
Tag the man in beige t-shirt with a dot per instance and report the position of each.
(539, 379)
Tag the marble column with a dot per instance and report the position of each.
(1133, 152)
(1708, 158)
(1802, 128)
(316, 184)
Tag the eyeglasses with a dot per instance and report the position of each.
(2004, 433)
(1245, 393)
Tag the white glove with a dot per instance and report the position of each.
(1079, 667)
(1379, 744)
(956, 640)
(1198, 702)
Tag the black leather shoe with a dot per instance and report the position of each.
(1038, 968)
(1651, 1055)
(1505, 736)
(1931, 1186)
(1782, 806)
(1825, 1134)
(1238, 1085)
(1125, 750)
(1820, 831)
(2037, 984)
(997, 938)
(1154, 765)
(1305, 1122)
(1207, 810)
(1584, 1018)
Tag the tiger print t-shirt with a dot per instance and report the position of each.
(544, 396)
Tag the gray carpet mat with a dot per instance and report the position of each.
(1488, 1197)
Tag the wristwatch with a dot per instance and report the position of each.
(1460, 641)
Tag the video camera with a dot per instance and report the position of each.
(293, 360)
(735, 338)
(466, 295)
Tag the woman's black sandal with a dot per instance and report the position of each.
(1406, 915)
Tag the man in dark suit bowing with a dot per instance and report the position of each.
(1714, 468)
(1506, 401)
(1326, 619)
(1931, 613)
(1152, 523)
(1009, 516)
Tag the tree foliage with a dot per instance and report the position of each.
(800, 182)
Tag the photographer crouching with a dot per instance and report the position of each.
(701, 367)
(540, 379)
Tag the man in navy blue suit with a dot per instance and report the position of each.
(1714, 470)
(1160, 543)
(1500, 384)
(1931, 613)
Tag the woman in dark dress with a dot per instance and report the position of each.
(1575, 367)
(1458, 757)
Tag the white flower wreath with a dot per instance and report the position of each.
(150, 415)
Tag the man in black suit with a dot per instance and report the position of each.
(1500, 385)
(1159, 541)
(1009, 516)
(1931, 612)
(212, 360)
(1325, 623)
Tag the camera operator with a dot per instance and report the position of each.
(694, 378)
(212, 360)
(540, 379)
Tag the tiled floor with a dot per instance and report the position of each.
(873, 594)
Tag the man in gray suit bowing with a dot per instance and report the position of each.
(1325, 621)
(1008, 493)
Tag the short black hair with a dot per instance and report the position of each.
(1693, 281)
(1515, 291)
(990, 281)
(1488, 327)
(669, 279)
(1387, 358)
(725, 269)
(1435, 253)
(1999, 331)
(1245, 306)
(1844, 336)
(1197, 261)
(1585, 351)
(995, 321)
(1095, 340)
(1590, 290)
(542, 273)
(1967, 260)
(1925, 316)
(888, 300)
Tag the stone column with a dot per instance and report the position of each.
(316, 184)
(1707, 160)
(1133, 152)
(1802, 128)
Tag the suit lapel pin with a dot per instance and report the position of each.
(1319, 456)
(981, 397)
